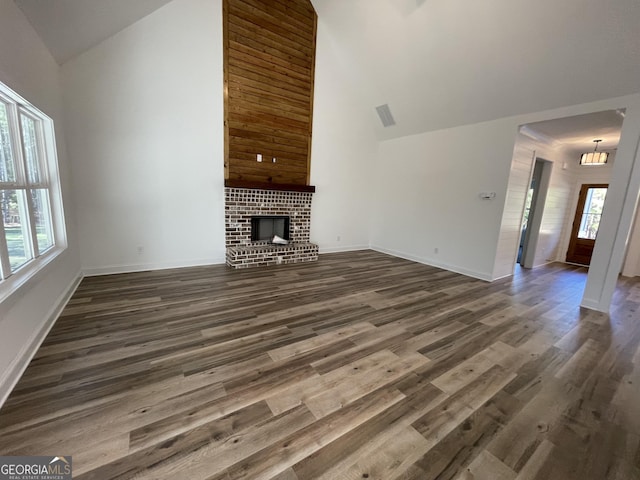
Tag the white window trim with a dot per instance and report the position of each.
(31, 270)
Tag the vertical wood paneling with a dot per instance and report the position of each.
(559, 205)
(510, 230)
(313, 76)
(269, 62)
(556, 207)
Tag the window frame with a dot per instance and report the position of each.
(47, 184)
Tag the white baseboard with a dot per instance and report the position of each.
(349, 248)
(143, 267)
(452, 268)
(16, 368)
(593, 304)
(506, 275)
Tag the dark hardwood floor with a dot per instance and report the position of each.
(358, 366)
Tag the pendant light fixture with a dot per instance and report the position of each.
(595, 157)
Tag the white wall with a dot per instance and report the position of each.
(144, 132)
(342, 155)
(631, 267)
(618, 215)
(27, 67)
(427, 190)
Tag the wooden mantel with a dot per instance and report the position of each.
(288, 187)
(269, 67)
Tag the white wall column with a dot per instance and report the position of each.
(631, 267)
(617, 219)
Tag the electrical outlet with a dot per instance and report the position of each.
(338, 238)
(436, 250)
(140, 249)
(259, 157)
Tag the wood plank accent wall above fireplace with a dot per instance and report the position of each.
(269, 61)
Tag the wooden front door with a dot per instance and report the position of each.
(586, 223)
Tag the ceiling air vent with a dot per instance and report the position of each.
(385, 115)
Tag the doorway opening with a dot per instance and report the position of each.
(533, 211)
(562, 141)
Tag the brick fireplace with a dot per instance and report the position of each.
(243, 204)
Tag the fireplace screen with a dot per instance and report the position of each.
(266, 227)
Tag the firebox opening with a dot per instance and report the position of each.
(264, 228)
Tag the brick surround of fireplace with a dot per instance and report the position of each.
(240, 204)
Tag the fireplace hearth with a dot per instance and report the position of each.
(272, 210)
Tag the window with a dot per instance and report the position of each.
(32, 229)
(593, 205)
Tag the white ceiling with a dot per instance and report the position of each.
(577, 133)
(445, 63)
(70, 27)
(437, 63)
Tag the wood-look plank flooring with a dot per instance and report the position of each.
(358, 366)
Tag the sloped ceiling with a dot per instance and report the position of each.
(444, 63)
(70, 27)
(437, 63)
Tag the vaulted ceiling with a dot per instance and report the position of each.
(70, 27)
(437, 63)
(444, 63)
